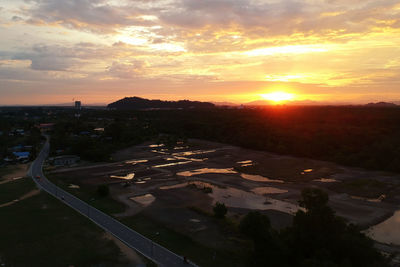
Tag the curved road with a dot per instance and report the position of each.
(143, 245)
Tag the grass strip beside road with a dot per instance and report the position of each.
(41, 231)
(182, 244)
(88, 194)
(15, 189)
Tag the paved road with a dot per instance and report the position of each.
(146, 247)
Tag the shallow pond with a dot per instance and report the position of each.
(133, 162)
(206, 170)
(172, 164)
(194, 152)
(129, 176)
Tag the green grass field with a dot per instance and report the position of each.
(184, 245)
(41, 231)
(88, 194)
(15, 189)
(174, 241)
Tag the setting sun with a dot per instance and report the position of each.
(278, 96)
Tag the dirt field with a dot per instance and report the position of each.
(179, 186)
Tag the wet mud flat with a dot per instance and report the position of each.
(178, 186)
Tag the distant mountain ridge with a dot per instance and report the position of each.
(306, 102)
(142, 103)
(382, 104)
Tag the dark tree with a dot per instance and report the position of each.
(103, 190)
(220, 210)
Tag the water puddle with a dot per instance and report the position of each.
(192, 159)
(306, 171)
(268, 190)
(180, 147)
(325, 180)
(376, 200)
(194, 152)
(144, 200)
(245, 162)
(129, 176)
(133, 162)
(156, 145)
(206, 170)
(172, 164)
(388, 231)
(259, 178)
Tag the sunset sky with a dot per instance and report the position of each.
(53, 51)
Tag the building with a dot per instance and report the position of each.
(66, 160)
(21, 155)
(78, 105)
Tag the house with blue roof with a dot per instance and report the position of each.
(21, 155)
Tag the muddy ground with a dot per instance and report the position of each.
(171, 186)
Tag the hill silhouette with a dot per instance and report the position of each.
(142, 103)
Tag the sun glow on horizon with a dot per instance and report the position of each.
(278, 96)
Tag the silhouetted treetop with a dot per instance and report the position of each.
(142, 103)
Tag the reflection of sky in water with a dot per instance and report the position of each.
(245, 162)
(387, 231)
(206, 170)
(129, 176)
(133, 162)
(192, 159)
(156, 145)
(306, 171)
(259, 178)
(172, 164)
(195, 152)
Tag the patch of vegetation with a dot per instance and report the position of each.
(41, 231)
(207, 190)
(220, 210)
(356, 136)
(15, 189)
(184, 245)
(103, 190)
(200, 211)
(88, 194)
(317, 238)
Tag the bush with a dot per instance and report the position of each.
(103, 190)
(220, 210)
(207, 190)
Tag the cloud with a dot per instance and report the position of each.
(92, 15)
(127, 70)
